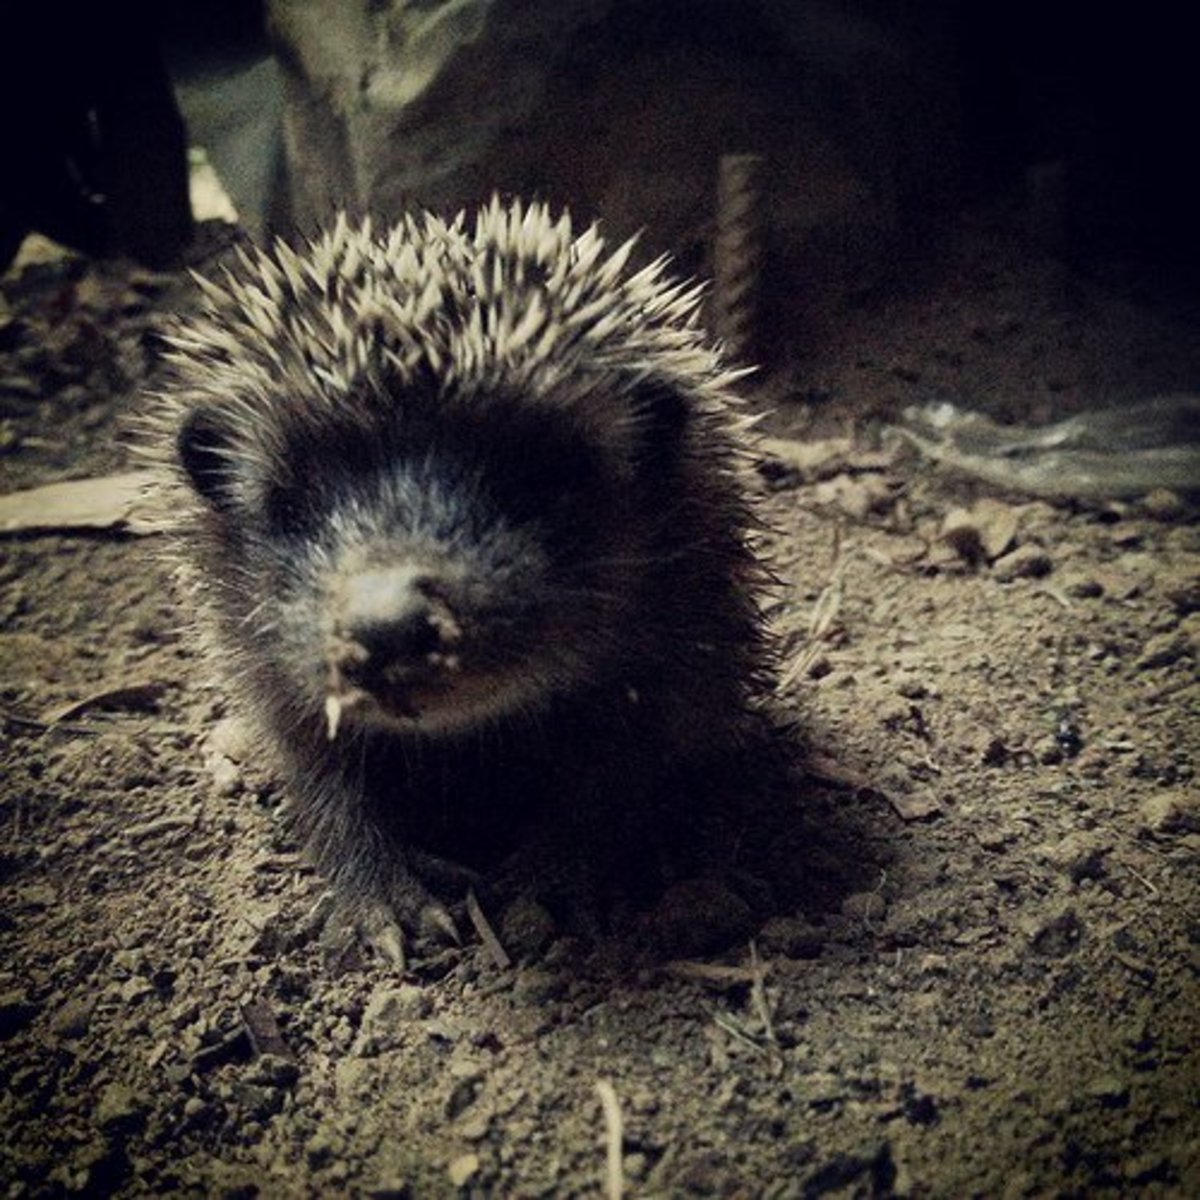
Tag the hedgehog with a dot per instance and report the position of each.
(461, 508)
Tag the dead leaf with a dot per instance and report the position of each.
(135, 697)
(105, 502)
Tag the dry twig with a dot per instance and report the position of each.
(614, 1177)
(758, 994)
(487, 935)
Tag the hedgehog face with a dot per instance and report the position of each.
(432, 562)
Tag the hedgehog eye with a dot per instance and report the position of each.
(203, 445)
(554, 473)
(288, 510)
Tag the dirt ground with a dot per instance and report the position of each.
(989, 988)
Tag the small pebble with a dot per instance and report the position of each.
(1025, 562)
(1163, 649)
(72, 1019)
(1081, 585)
(1056, 936)
(117, 1108)
(1172, 810)
(1162, 504)
(462, 1169)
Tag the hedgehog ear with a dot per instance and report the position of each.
(203, 445)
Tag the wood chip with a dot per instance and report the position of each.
(712, 973)
(915, 808)
(263, 1029)
(487, 935)
(614, 1137)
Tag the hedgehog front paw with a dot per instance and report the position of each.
(406, 915)
(412, 918)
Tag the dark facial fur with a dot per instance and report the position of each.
(460, 508)
(435, 560)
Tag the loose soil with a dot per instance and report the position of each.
(989, 988)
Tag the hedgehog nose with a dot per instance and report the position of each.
(392, 615)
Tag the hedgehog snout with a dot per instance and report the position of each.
(391, 625)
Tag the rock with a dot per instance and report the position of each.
(961, 533)
(1081, 585)
(226, 775)
(983, 532)
(231, 739)
(118, 1109)
(915, 806)
(1057, 936)
(227, 747)
(1025, 562)
(196, 1112)
(462, 1169)
(1110, 1090)
(858, 497)
(387, 1009)
(997, 527)
(72, 1019)
(1163, 649)
(1172, 810)
(1162, 504)
(1126, 534)
(1183, 590)
(1079, 855)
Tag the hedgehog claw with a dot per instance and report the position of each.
(436, 923)
(344, 924)
(386, 938)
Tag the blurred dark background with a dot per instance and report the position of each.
(873, 117)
